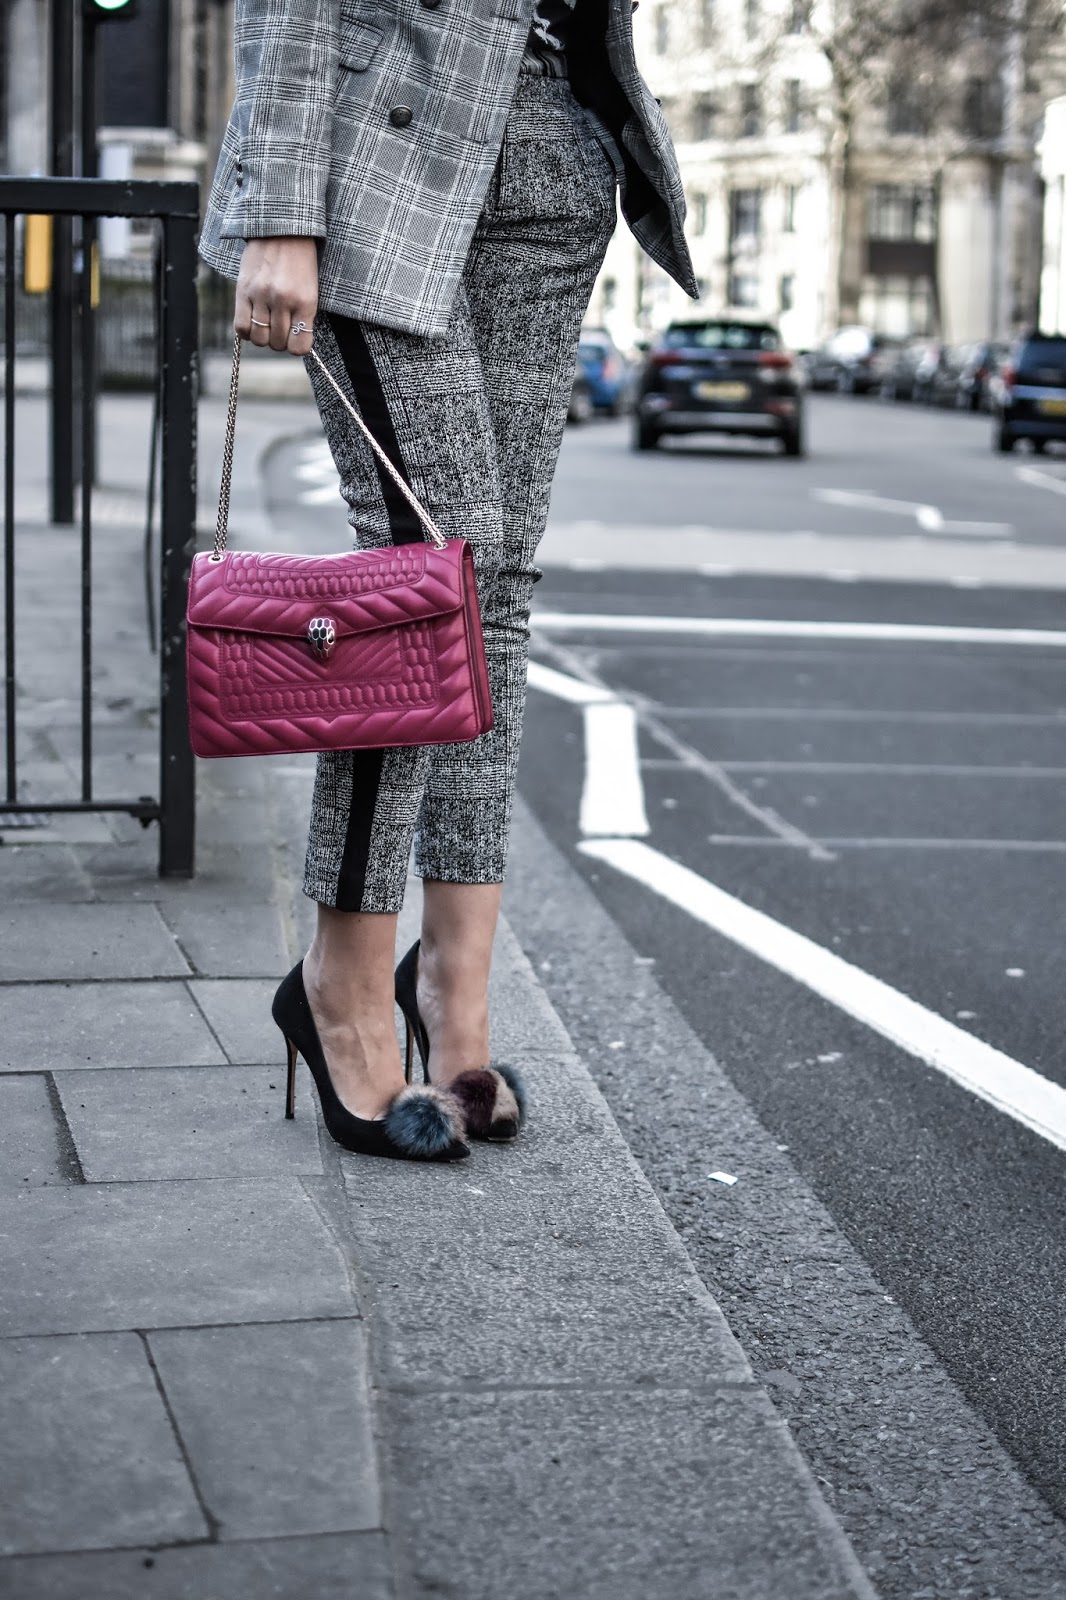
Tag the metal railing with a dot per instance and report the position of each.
(175, 207)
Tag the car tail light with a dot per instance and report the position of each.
(776, 360)
(610, 369)
(666, 358)
(1009, 375)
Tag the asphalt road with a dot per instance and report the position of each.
(899, 802)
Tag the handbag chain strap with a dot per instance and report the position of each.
(437, 538)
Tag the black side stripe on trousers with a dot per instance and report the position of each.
(406, 529)
(370, 396)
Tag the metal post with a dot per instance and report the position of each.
(64, 472)
(10, 781)
(177, 782)
(87, 404)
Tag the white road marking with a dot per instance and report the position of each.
(1047, 846)
(1041, 480)
(612, 800)
(929, 518)
(578, 690)
(564, 687)
(888, 769)
(1006, 1084)
(715, 774)
(872, 502)
(977, 719)
(326, 496)
(761, 628)
(317, 468)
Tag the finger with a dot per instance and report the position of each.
(242, 315)
(303, 318)
(280, 322)
(260, 324)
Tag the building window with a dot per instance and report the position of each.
(982, 109)
(789, 223)
(662, 31)
(902, 211)
(744, 290)
(610, 293)
(699, 213)
(896, 305)
(907, 109)
(787, 292)
(745, 216)
(707, 20)
(750, 111)
(704, 119)
(799, 16)
(752, 17)
(793, 106)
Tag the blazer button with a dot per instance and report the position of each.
(431, 5)
(400, 116)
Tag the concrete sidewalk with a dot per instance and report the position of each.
(237, 1363)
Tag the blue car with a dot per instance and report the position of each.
(605, 371)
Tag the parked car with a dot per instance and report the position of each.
(901, 379)
(853, 361)
(1029, 396)
(719, 375)
(580, 408)
(947, 375)
(975, 380)
(606, 371)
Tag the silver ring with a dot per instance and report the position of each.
(297, 327)
(257, 324)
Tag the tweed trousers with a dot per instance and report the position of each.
(473, 420)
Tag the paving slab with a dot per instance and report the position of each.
(86, 941)
(66, 1026)
(30, 1150)
(567, 1272)
(188, 1122)
(238, 1010)
(224, 940)
(150, 1255)
(523, 1018)
(276, 1421)
(88, 1458)
(40, 873)
(350, 1566)
(667, 1494)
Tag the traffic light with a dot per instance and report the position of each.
(108, 10)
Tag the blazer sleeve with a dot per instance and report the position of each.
(285, 54)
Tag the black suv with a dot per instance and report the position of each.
(719, 375)
(1029, 392)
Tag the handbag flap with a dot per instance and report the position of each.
(358, 590)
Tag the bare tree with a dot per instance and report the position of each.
(933, 51)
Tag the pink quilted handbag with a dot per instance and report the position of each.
(362, 649)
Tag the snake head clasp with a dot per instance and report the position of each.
(321, 636)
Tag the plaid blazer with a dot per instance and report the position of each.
(374, 126)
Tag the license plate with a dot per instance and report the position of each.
(1053, 408)
(722, 391)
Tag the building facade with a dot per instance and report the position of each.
(912, 204)
(164, 87)
(1053, 172)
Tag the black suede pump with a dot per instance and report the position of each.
(492, 1099)
(420, 1124)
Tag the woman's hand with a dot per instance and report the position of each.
(277, 286)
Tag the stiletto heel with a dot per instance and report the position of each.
(419, 1124)
(493, 1099)
(290, 1083)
